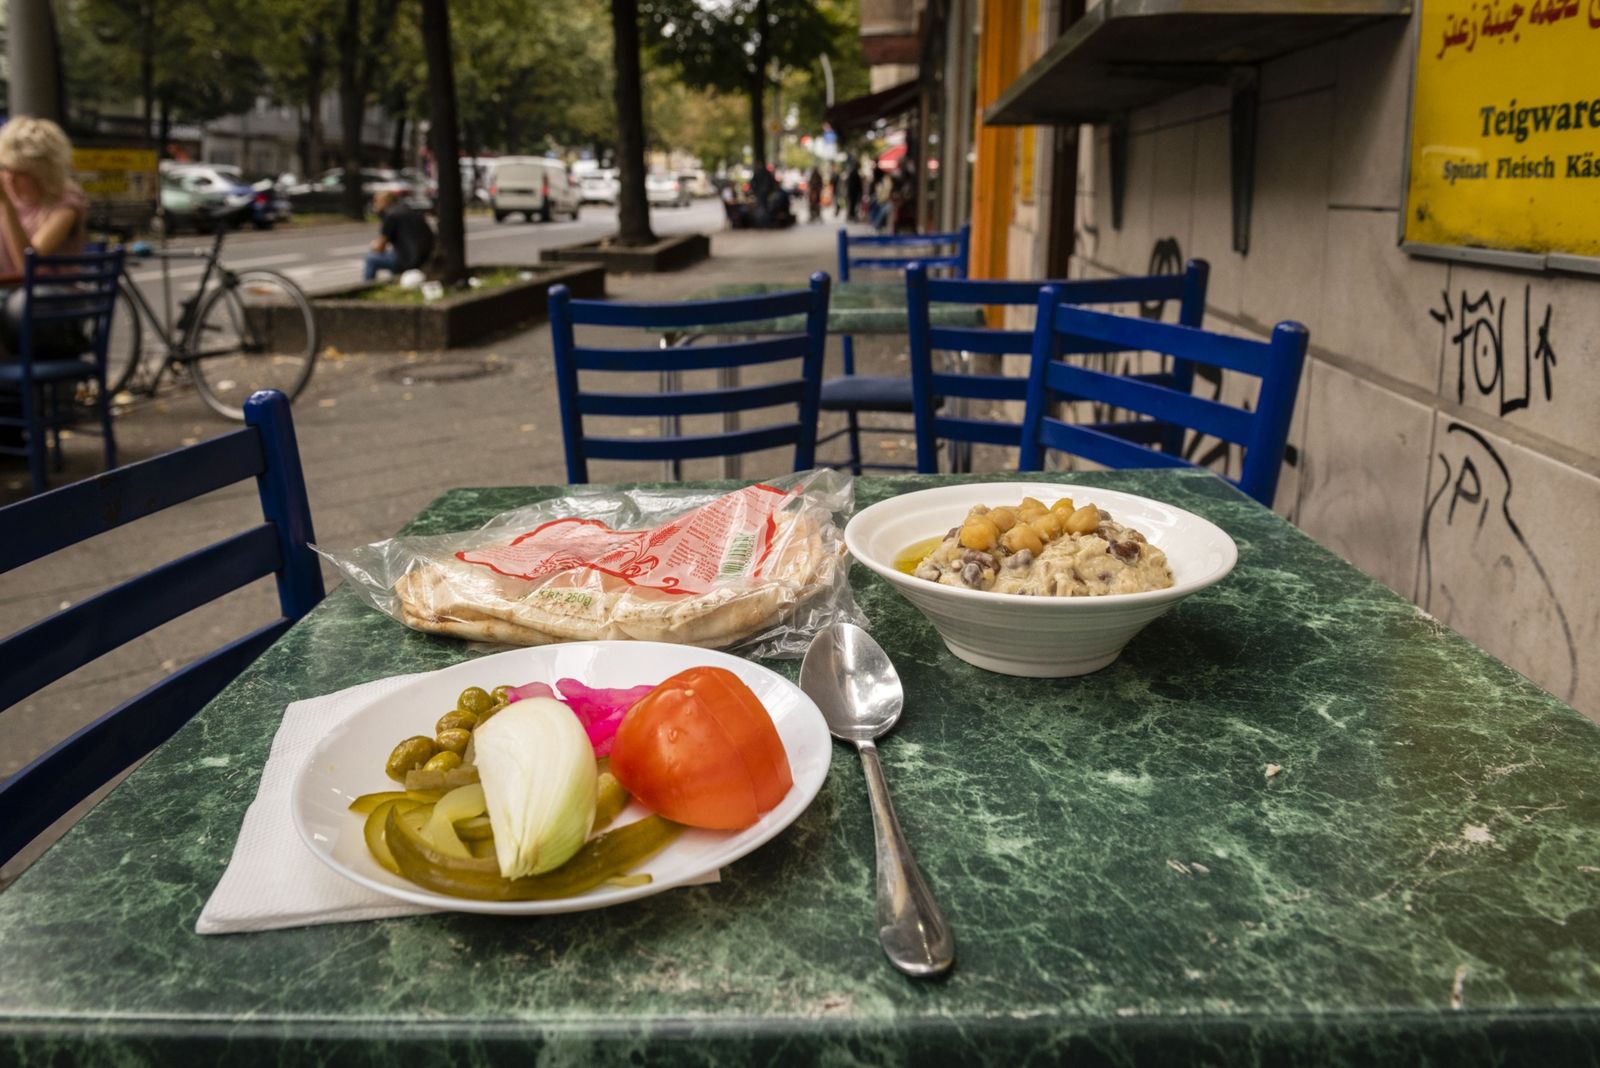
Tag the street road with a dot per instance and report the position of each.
(327, 257)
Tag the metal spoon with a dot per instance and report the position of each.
(853, 681)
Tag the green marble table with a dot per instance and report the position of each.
(1419, 883)
(853, 308)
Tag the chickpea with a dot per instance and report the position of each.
(1084, 521)
(456, 719)
(979, 533)
(445, 761)
(1064, 507)
(1031, 504)
(1022, 537)
(1003, 518)
(1028, 515)
(1048, 525)
(454, 740)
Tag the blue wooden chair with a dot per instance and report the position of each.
(853, 394)
(61, 295)
(265, 450)
(1262, 432)
(930, 385)
(805, 348)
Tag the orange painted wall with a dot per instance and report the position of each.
(999, 53)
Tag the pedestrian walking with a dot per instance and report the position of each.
(833, 191)
(852, 191)
(814, 194)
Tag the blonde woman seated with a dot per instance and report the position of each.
(40, 206)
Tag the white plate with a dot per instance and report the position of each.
(349, 762)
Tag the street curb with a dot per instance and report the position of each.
(668, 254)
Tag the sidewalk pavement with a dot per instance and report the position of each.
(381, 435)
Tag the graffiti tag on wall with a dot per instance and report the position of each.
(1513, 367)
(1469, 518)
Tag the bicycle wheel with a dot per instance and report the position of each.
(255, 331)
(125, 344)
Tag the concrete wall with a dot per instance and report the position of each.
(1446, 439)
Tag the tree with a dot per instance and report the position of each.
(732, 46)
(363, 39)
(633, 210)
(446, 143)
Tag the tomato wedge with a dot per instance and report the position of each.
(701, 749)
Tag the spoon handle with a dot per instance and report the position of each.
(910, 926)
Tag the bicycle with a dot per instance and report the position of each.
(253, 329)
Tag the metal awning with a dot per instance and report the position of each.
(863, 111)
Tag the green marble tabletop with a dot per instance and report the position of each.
(1419, 883)
(853, 308)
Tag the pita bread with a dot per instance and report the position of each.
(470, 601)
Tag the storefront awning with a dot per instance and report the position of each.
(863, 111)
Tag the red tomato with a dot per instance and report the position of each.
(700, 749)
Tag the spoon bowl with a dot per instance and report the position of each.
(854, 682)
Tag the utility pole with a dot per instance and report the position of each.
(31, 53)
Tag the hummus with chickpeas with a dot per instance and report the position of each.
(1059, 551)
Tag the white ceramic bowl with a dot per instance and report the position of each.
(1037, 637)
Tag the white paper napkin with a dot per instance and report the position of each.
(273, 880)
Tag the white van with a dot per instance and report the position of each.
(532, 185)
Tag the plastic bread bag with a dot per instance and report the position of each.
(759, 570)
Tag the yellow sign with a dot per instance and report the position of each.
(1505, 126)
(117, 175)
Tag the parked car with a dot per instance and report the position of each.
(327, 192)
(666, 190)
(698, 183)
(532, 185)
(202, 198)
(599, 187)
(269, 202)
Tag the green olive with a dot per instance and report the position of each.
(454, 740)
(456, 719)
(444, 761)
(474, 699)
(485, 717)
(500, 694)
(409, 755)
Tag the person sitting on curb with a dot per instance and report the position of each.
(404, 241)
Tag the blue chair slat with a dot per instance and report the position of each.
(692, 402)
(266, 451)
(802, 391)
(1263, 432)
(708, 357)
(980, 340)
(51, 785)
(57, 645)
(698, 446)
(1197, 413)
(679, 315)
(55, 289)
(979, 386)
(42, 524)
(979, 431)
(932, 388)
(1127, 332)
(879, 393)
(947, 251)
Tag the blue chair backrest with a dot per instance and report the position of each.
(810, 306)
(946, 250)
(934, 424)
(38, 655)
(1262, 432)
(59, 295)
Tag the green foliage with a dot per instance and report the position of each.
(185, 54)
(725, 44)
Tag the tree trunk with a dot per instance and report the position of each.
(164, 122)
(147, 80)
(633, 210)
(397, 149)
(351, 106)
(316, 70)
(758, 120)
(447, 151)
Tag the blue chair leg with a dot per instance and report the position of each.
(105, 428)
(855, 442)
(38, 444)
